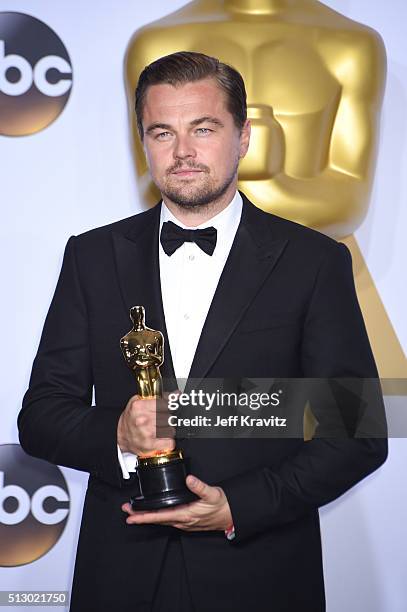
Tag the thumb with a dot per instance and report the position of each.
(200, 488)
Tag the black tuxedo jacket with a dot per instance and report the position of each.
(286, 296)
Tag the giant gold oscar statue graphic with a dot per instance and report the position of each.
(161, 474)
(315, 81)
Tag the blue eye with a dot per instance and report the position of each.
(162, 135)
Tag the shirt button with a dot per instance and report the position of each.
(186, 316)
(191, 257)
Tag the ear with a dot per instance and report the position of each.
(244, 138)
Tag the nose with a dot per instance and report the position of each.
(184, 147)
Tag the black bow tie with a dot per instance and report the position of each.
(173, 236)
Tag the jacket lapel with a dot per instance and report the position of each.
(253, 255)
(138, 269)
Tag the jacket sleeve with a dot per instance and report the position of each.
(57, 421)
(335, 345)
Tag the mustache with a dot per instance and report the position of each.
(187, 166)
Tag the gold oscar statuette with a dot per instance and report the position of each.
(161, 474)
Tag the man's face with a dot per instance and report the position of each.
(191, 143)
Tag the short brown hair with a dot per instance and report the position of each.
(185, 67)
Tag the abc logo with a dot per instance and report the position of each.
(35, 75)
(34, 506)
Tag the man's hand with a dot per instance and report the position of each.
(140, 423)
(209, 513)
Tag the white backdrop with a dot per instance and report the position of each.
(77, 174)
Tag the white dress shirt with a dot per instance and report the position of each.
(189, 278)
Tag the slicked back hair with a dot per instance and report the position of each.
(186, 67)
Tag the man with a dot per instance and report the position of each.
(266, 298)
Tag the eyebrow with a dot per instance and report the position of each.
(207, 119)
(194, 123)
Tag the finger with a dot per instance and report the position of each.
(163, 444)
(165, 404)
(162, 408)
(203, 490)
(162, 405)
(165, 432)
(162, 422)
(146, 405)
(127, 508)
(160, 517)
(168, 394)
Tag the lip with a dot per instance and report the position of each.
(186, 172)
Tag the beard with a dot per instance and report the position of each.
(190, 196)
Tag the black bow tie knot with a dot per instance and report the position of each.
(173, 236)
